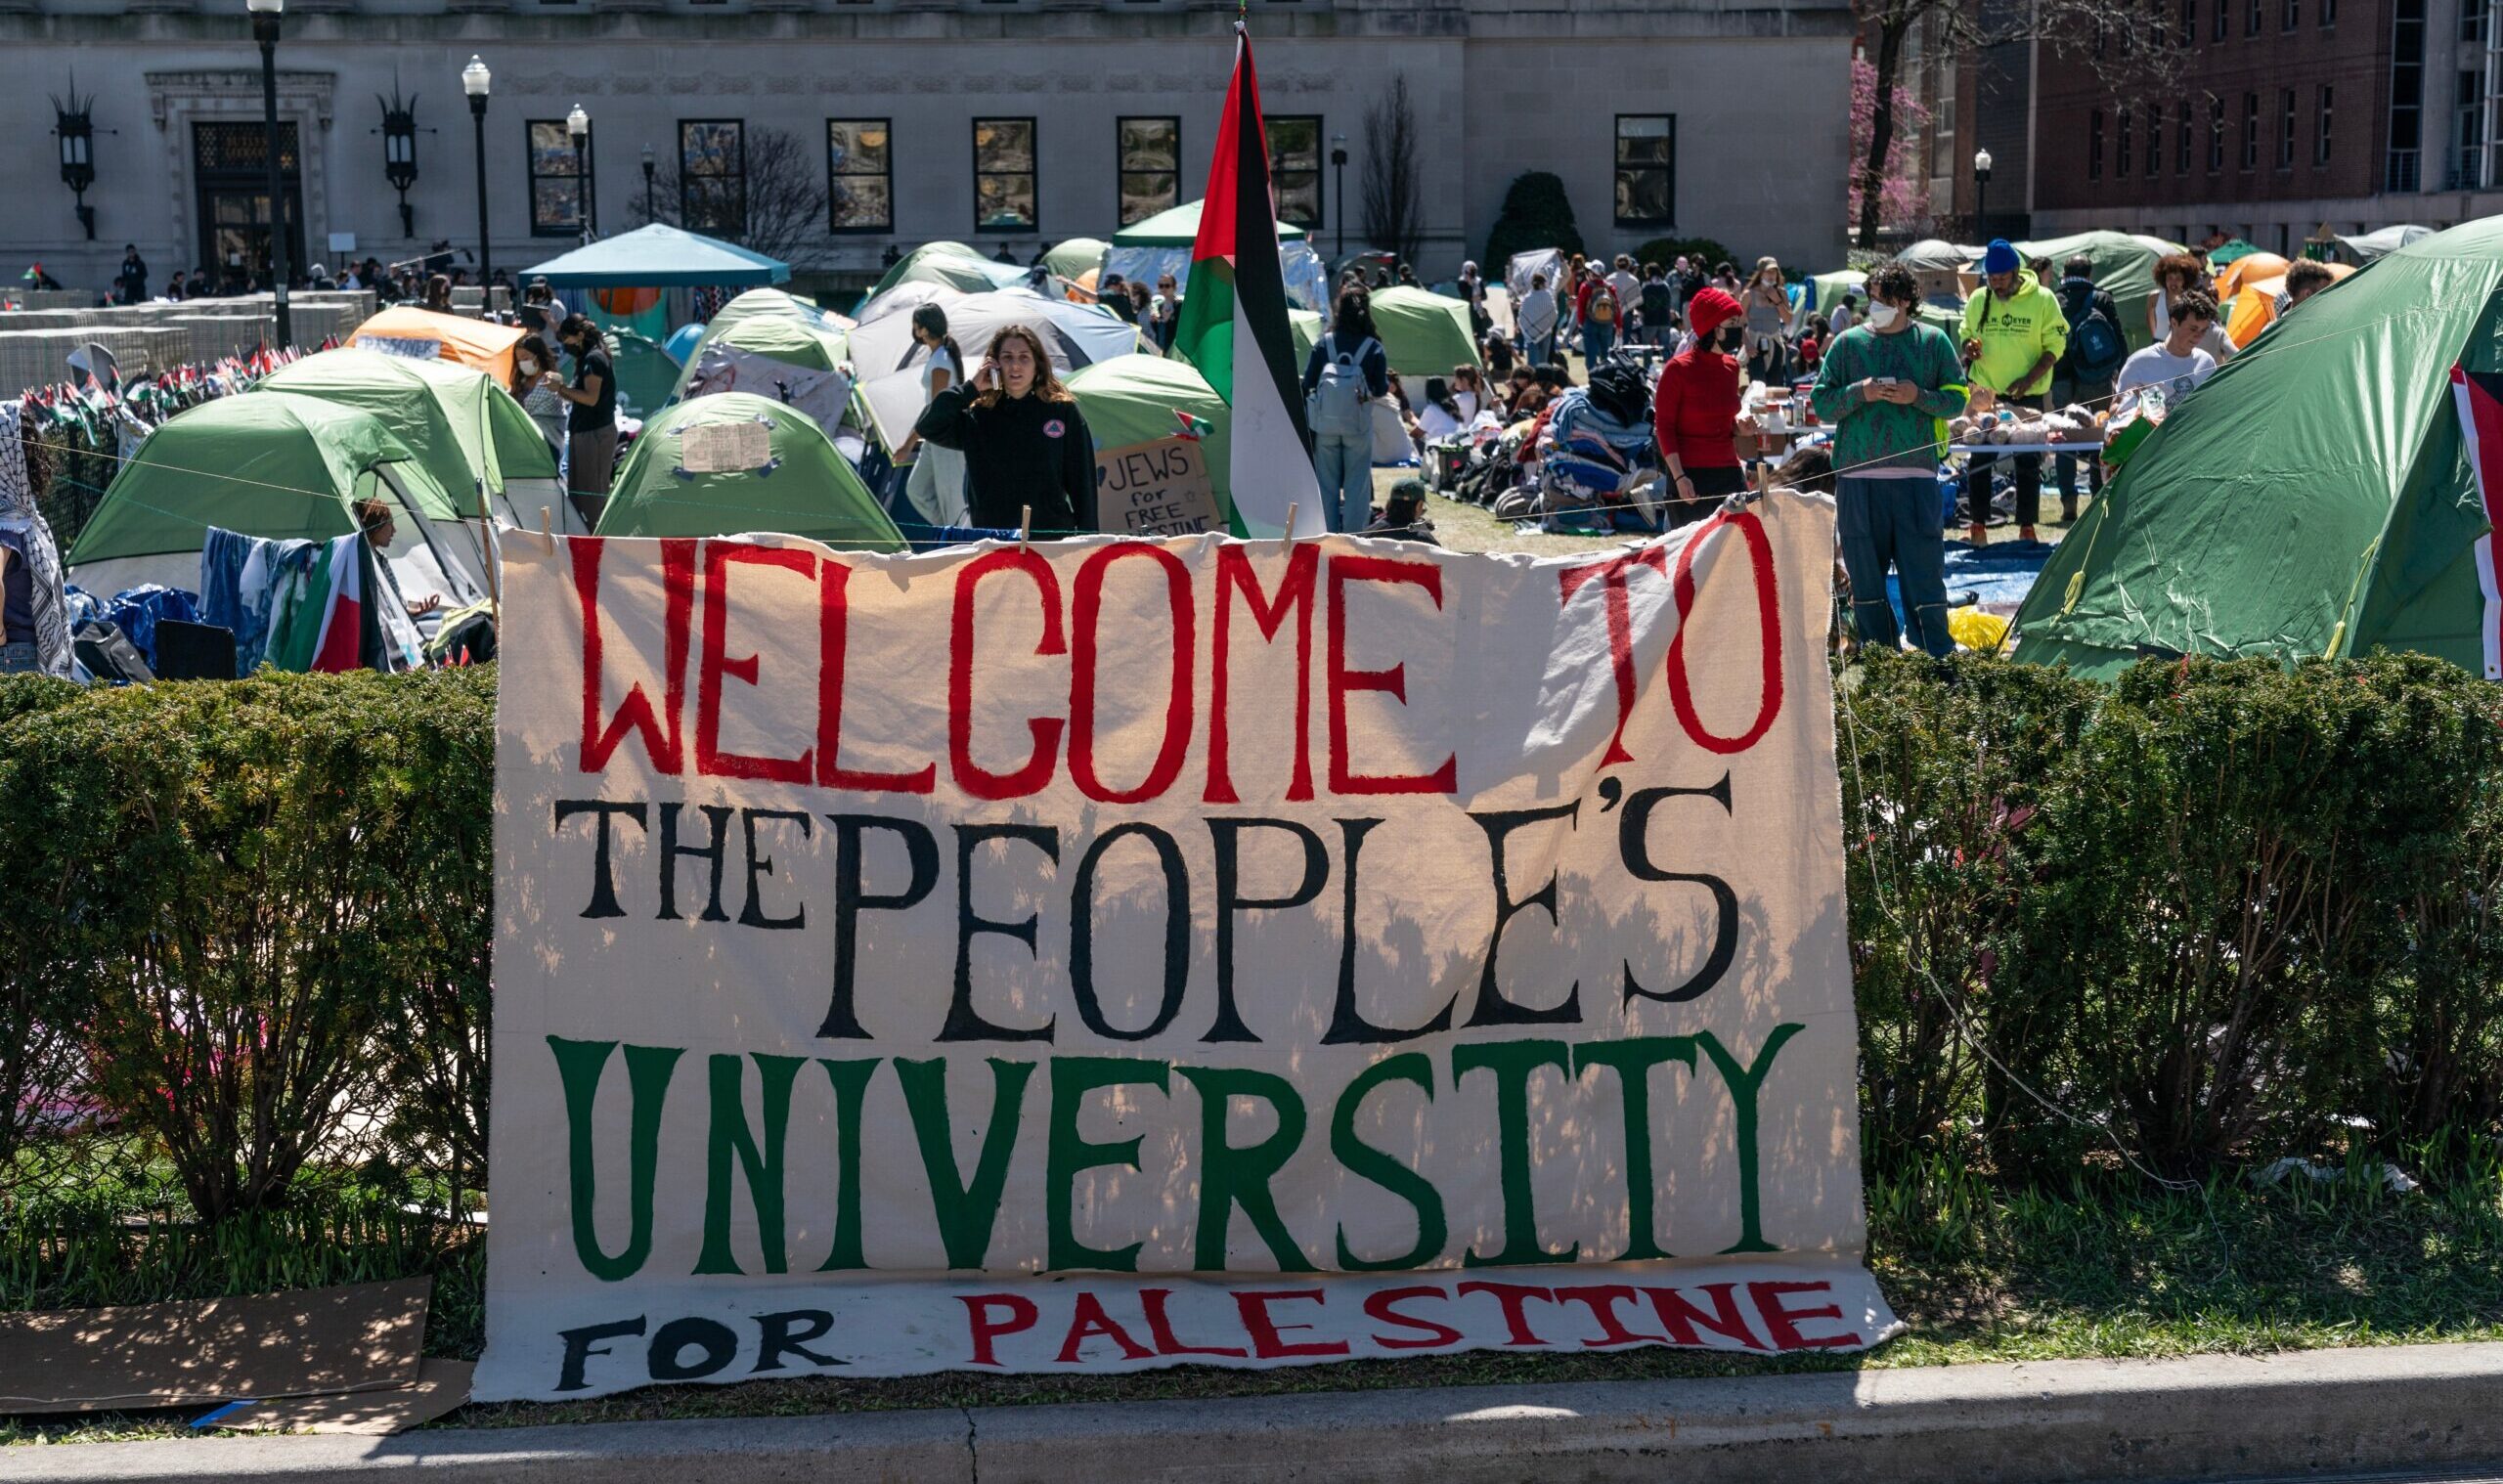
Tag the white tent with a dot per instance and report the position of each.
(2366, 246)
(889, 360)
(905, 299)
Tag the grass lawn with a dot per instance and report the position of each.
(2111, 1266)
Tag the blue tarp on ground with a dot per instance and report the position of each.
(660, 257)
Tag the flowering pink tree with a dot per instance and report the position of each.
(1902, 187)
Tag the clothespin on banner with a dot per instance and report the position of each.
(1025, 527)
(1288, 539)
(547, 536)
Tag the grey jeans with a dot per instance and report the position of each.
(1898, 523)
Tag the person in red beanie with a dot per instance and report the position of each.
(1694, 412)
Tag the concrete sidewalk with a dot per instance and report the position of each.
(2209, 1417)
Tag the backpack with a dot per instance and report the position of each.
(2096, 348)
(1604, 307)
(1338, 403)
(1616, 389)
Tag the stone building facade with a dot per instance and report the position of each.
(1005, 124)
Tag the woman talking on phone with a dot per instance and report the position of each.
(1025, 445)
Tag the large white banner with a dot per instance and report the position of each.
(1119, 953)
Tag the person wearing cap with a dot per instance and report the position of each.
(1885, 386)
(1694, 411)
(2015, 332)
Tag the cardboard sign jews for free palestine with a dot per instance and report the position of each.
(1160, 488)
(1116, 954)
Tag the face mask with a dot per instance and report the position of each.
(527, 367)
(1731, 337)
(1883, 316)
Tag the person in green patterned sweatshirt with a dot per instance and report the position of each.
(1887, 386)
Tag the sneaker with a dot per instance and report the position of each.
(2067, 512)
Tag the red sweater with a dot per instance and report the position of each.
(1696, 412)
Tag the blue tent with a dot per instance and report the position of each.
(660, 257)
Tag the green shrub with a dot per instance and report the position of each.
(1536, 214)
(1945, 769)
(42, 998)
(2222, 870)
(245, 864)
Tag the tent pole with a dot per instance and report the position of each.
(495, 592)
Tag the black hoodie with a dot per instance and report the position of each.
(1019, 452)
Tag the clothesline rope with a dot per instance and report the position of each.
(1837, 473)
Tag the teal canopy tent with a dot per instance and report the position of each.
(660, 257)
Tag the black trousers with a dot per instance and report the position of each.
(2029, 478)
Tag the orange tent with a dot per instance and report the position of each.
(406, 331)
(2246, 269)
(2255, 309)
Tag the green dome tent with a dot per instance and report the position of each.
(953, 264)
(2312, 497)
(2229, 251)
(1179, 227)
(1422, 334)
(273, 464)
(815, 344)
(1075, 256)
(2124, 268)
(1136, 398)
(646, 377)
(463, 427)
(803, 487)
(1163, 244)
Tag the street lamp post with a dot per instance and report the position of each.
(1339, 167)
(265, 17)
(1982, 192)
(578, 129)
(474, 81)
(649, 214)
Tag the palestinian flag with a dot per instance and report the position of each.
(1234, 323)
(2478, 396)
(345, 619)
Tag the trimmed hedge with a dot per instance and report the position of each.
(2216, 911)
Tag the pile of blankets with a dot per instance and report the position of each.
(305, 605)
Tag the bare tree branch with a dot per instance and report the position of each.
(1393, 200)
(777, 206)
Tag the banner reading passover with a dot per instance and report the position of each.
(1116, 954)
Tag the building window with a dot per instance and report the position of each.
(2121, 152)
(556, 180)
(2402, 168)
(2189, 35)
(2468, 133)
(1151, 166)
(1646, 146)
(859, 175)
(1295, 167)
(2285, 128)
(2216, 135)
(1004, 175)
(2155, 141)
(2224, 22)
(2290, 16)
(2472, 23)
(712, 176)
(2181, 148)
(2320, 127)
(2095, 144)
(2251, 19)
(2251, 131)
(2327, 10)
